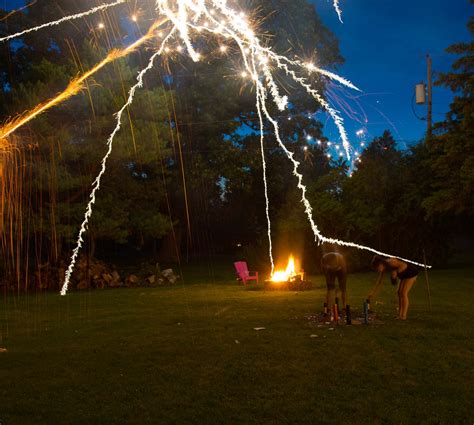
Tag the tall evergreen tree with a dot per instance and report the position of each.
(452, 159)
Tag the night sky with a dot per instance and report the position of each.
(384, 44)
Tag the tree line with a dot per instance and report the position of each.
(184, 181)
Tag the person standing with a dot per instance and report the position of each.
(334, 266)
(406, 272)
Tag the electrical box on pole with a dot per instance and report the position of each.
(420, 94)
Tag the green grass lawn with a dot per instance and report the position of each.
(189, 354)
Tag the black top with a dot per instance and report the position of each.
(409, 272)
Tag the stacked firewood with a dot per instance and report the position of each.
(93, 273)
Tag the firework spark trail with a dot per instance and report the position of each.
(64, 19)
(110, 141)
(282, 63)
(281, 101)
(248, 38)
(248, 35)
(76, 85)
(4, 145)
(338, 120)
(13, 12)
(311, 67)
(180, 21)
(319, 237)
(338, 9)
(265, 183)
(356, 113)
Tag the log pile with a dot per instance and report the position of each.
(96, 274)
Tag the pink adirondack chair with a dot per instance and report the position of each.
(243, 272)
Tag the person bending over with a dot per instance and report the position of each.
(334, 266)
(407, 274)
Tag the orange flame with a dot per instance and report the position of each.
(285, 275)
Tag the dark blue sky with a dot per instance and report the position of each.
(384, 43)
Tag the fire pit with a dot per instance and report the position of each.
(288, 279)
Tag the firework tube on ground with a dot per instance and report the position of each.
(348, 315)
(335, 312)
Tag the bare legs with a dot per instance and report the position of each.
(331, 289)
(342, 278)
(403, 301)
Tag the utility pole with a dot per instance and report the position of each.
(429, 117)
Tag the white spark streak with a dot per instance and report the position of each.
(283, 62)
(64, 19)
(243, 35)
(180, 21)
(337, 119)
(265, 183)
(110, 141)
(331, 75)
(318, 236)
(338, 9)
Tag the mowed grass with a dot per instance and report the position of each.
(189, 354)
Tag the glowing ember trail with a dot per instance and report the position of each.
(76, 85)
(4, 145)
(13, 12)
(191, 19)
